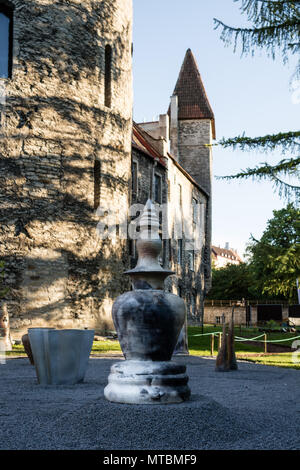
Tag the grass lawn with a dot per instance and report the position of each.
(200, 346)
(278, 360)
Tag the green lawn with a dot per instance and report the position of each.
(200, 346)
(278, 360)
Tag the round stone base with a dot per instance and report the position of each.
(147, 382)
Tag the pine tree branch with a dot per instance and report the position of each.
(265, 11)
(289, 167)
(277, 32)
(288, 141)
(275, 25)
(268, 172)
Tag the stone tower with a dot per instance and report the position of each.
(192, 130)
(65, 144)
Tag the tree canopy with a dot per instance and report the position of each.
(275, 27)
(272, 267)
(233, 282)
(275, 258)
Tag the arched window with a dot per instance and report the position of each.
(97, 183)
(6, 40)
(108, 64)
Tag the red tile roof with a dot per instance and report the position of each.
(224, 253)
(139, 140)
(192, 99)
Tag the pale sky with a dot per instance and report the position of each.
(251, 94)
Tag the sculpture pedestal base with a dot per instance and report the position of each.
(147, 382)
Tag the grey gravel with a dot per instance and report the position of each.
(256, 407)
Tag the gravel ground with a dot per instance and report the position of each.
(256, 407)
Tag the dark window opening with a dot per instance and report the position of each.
(191, 259)
(165, 253)
(6, 41)
(108, 63)
(180, 252)
(134, 179)
(179, 196)
(195, 210)
(170, 251)
(157, 185)
(97, 183)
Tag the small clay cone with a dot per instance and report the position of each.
(231, 357)
(27, 347)
(5, 328)
(221, 361)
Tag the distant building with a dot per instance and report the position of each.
(221, 257)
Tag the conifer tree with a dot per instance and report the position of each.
(275, 28)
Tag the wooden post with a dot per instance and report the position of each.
(231, 357)
(266, 344)
(220, 341)
(212, 344)
(221, 361)
(4, 327)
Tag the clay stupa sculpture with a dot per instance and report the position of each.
(148, 321)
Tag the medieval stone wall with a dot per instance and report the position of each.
(195, 155)
(189, 279)
(55, 125)
(188, 283)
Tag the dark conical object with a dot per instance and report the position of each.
(231, 357)
(222, 362)
(27, 348)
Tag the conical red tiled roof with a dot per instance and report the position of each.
(192, 99)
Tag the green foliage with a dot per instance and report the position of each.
(275, 26)
(272, 267)
(275, 258)
(249, 351)
(233, 282)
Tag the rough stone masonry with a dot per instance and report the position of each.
(61, 135)
(67, 159)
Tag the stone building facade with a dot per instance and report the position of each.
(70, 156)
(188, 130)
(65, 147)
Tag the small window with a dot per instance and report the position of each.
(170, 250)
(180, 253)
(134, 179)
(179, 196)
(195, 210)
(191, 260)
(108, 63)
(97, 183)
(6, 41)
(165, 258)
(157, 188)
